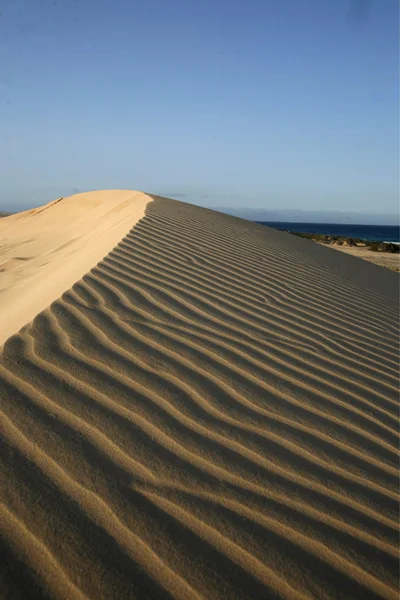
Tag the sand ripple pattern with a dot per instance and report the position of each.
(210, 413)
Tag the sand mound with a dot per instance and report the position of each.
(45, 250)
(210, 413)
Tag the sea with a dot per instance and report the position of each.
(379, 233)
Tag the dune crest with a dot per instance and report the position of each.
(45, 250)
(210, 413)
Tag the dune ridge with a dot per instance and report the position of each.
(210, 412)
(45, 250)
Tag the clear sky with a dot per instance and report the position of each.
(263, 103)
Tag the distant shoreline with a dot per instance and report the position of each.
(337, 240)
(359, 233)
(383, 254)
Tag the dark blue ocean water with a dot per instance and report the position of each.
(381, 233)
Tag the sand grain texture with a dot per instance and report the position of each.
(209, 412)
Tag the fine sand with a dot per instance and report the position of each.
(383, 259)
(210, 412)
(44, 251)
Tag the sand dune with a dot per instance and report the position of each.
(210, 412)
(384, 259)
(44, 251)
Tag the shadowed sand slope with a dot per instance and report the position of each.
(210, 413)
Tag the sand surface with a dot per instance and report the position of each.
(44, 251)
(209, 413)
(383, 259)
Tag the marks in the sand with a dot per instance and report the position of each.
(210, 413)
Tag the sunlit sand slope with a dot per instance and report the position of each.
(210, 413)
(43, 251)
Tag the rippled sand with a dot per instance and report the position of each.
(210, 412)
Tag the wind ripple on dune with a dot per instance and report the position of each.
(210, 413)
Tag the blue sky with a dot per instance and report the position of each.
(262, 103)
